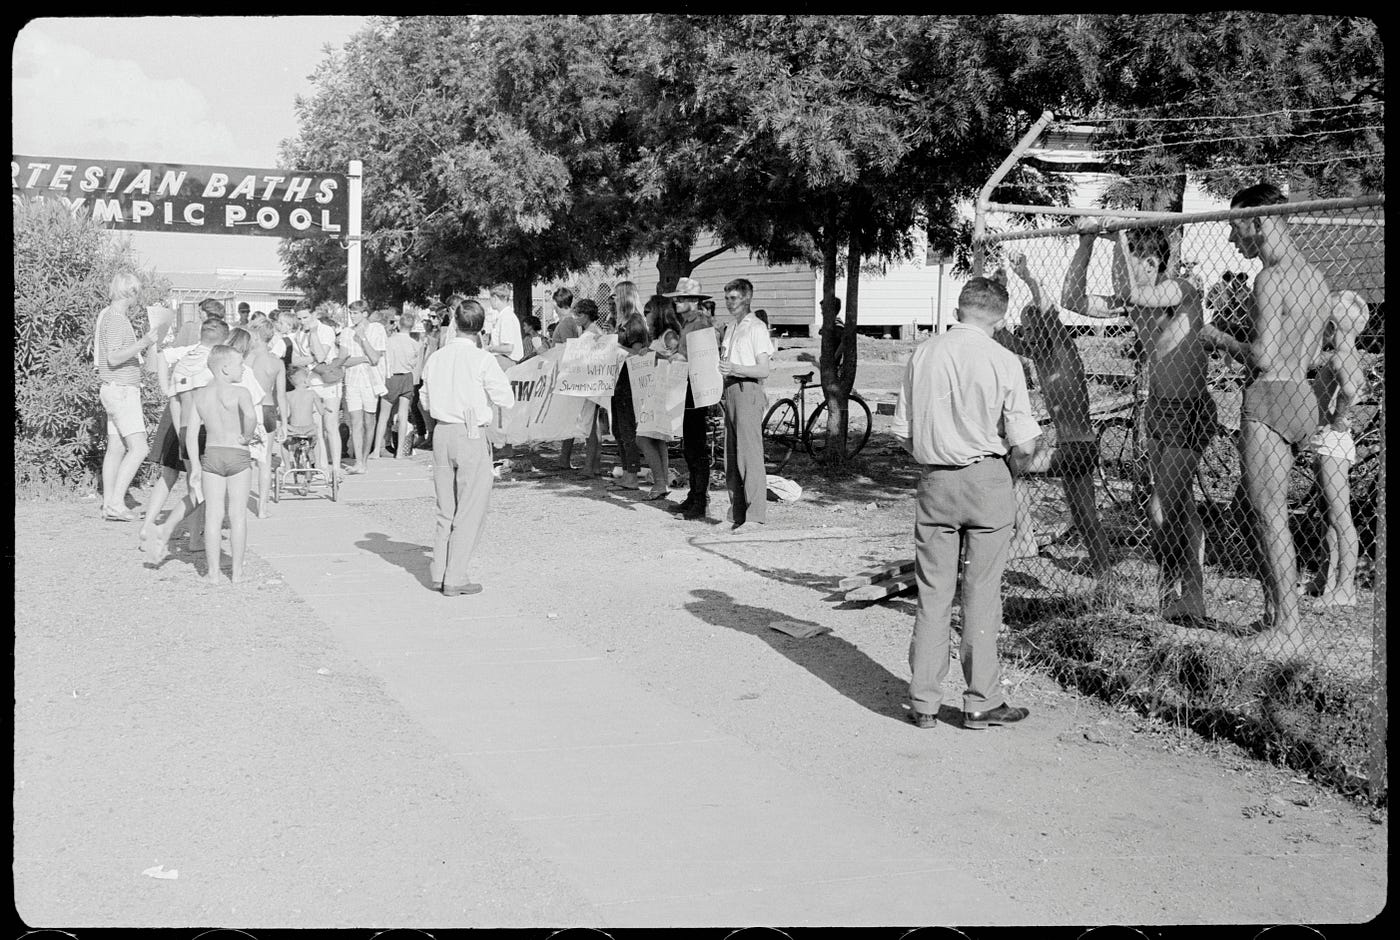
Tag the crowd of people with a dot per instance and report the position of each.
(238, 394)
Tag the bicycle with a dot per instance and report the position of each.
(787, 424)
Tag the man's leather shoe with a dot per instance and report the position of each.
(923, 719)
(695, 512)
(1003, 714)
(452, 590)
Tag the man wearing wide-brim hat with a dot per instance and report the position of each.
(694, 430)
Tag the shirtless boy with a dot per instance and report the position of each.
(189, 373)
(223, 474)
(1180, 418)
(1291, 307)
(1336, 386)
(270, 373)
(1045, 340)
(302, 417)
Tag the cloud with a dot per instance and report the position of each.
(70, 102)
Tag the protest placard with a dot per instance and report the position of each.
(590, 366)
(702, 355)
(661, 413)
(539, 413)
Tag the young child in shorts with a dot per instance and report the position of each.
(223, 473)
(1336, 385)
(304, 411)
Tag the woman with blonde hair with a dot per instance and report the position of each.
(117, 354)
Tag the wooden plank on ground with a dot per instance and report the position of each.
(883, 589)
(878, 574)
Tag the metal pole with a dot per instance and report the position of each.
(1379, 717)
(979, 222)
(938, 311)
(352, 272)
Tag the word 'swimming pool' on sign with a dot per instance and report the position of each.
(172, 197)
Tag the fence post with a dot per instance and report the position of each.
(1379, 770)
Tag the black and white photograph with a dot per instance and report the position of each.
(699, 470)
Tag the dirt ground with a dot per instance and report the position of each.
(160, 722)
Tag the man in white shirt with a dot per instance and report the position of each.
(965, 416)
(315, 344)
(744, 356)
(460, 383)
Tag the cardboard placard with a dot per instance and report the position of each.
(659, 398)
(702, 363)
(590, 366)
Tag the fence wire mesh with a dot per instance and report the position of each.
(1195, 540)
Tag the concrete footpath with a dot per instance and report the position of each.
(654, 815)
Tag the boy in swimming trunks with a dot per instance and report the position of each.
(1180, 418)
(1043, 338)
(302, 417)
(1291, 309)
(1336, 387)
(223, 474)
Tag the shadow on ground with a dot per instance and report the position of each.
(412, 557)
(828, 657)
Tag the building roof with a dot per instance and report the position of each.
(229, 281)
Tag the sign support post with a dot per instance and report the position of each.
(352, 273)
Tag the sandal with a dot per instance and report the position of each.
(113, 515)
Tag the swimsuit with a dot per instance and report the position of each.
(269, 417)
(1183, 423)
(1286, 407)
(1338, 445)
(225, 461)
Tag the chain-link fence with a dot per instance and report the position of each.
(1202, 534)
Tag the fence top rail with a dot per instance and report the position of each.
(1152, 220)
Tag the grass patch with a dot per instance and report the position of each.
(1294, 713)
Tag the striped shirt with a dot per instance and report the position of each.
(114, 332)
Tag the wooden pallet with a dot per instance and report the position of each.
(892, 579)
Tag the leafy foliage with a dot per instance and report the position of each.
(63, 267)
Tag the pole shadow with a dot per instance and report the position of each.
(828, 657)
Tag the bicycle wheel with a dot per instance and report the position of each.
(857, 428)
(780, 431)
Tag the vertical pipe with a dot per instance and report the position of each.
(1380, 719)
(352, 273)
(979, 221)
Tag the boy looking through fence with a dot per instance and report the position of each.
(1278, 411)
(1180, 417)
(1060, 369)
(1336, 386)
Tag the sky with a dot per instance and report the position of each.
(206, 90)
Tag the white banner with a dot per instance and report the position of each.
(702, 356)
(539, 412)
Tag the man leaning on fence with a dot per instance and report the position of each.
(964, 414)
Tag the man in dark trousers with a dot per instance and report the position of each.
(694, 430)
(964, 414)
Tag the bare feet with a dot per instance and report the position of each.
(1338, 597)
(155, 550)
(236, 577)
(212, 578)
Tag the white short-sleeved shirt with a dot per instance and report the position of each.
(505, 329)
(963, 398)
(745, 341)
(302, 344)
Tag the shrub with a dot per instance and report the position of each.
(62, 268)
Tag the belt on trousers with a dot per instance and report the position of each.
(732, 381)
(961, 466)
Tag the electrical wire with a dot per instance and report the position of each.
(1207, 170)
(1215, 140)
(1221, 117)
(1238, 90)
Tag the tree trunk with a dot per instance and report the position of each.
(672, 264)
(1169, 197)
(521, 288)
(838, 383)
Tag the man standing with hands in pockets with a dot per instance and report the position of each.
(965, 416)
(743, 363)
